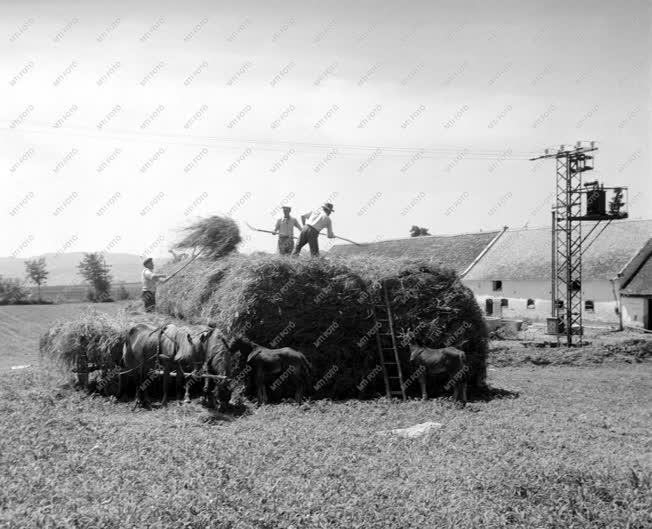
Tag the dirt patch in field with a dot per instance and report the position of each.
(617, 348)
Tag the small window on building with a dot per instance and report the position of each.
(530, 304)
(588, 306)
(504, 302)
(489, 306)
(497, 286)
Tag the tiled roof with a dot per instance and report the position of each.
(637, 275)
(451, 251)
(526, 254)
(641, 283)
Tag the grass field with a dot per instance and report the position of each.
(571, 450)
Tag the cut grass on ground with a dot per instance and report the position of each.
(571, 451)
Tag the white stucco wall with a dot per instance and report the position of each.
(518, 292)
(633, 311)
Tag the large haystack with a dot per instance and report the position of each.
(322, 307)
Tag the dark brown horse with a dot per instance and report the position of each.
(449, 361)
(218, 365)
(273, 367)
(147, 348)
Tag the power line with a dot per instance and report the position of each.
(280, 145)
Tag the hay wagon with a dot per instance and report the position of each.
(109, 372)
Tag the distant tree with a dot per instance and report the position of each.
(122, 292)
(11, 291)
(36, 273)
(416, 231)
(94, 269)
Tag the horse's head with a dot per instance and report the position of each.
(415, 350)
(223, 392)
(242, 345)
(189, 350)
(198, 348)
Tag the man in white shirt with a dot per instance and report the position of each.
(285, 229)
(150, 280)
(317, 220)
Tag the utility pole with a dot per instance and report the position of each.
(567, 241)
(553, 263)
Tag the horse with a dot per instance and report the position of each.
(447, 360)
(217, 364)
(147, 347)
(273, 367)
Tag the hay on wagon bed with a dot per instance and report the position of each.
(100, 338)
(95, 334)
(322, 308)
(215, 236)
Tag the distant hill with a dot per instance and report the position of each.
(63, 267)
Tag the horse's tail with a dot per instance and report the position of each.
(127, 352)
(306, 365)
(463, 364)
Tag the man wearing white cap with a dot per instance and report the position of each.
(285, 229)
(317, 220)
(150, 280)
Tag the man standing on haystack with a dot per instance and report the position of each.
(317, 220)
(150, 279)
(285, 229)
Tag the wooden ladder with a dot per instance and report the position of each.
(387, 348)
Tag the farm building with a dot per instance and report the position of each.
(636, 288)
(458, 252)
(509, 270)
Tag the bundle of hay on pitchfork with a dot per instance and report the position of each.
(212, 237)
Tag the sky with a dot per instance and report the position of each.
(123, 122)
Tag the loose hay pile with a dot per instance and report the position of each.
(322, 308)
(95, 334)
(214, 236)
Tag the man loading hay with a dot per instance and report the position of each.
(317, 220)
(150, 280)
(285, 229)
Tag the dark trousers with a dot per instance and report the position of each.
(285, 245)
(149, 300)
(309, 236)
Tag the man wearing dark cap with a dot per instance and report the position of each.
(285, 229)
(316, 221)
(150, 279)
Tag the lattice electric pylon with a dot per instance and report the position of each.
(568, 235)
(568, 242)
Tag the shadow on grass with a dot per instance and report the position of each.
(233, 412)
(489, 393)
